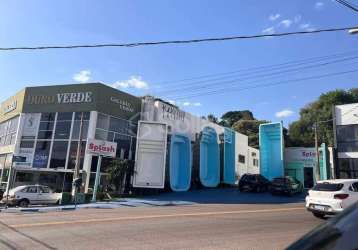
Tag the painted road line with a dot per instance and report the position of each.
(54, 223)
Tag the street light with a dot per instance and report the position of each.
(353, 31)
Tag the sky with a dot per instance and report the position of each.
(157, 70)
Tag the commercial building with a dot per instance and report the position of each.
(42, 125)
(346, 140)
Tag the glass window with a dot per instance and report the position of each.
(347, 133)
(44, 135)
(27, 144)
(347, 146)
(41, 154)
(48, 116)
(76, 130)
(44, 190)
(24, 177)
(46, 125)
(73, 154)
(31, 189)
(2, 160)
(110, 136)
(64, 116)
(241, 158)
(13, 124)
(63, 129)
(101, 134)
(118, 125)
(103, 121)
(8, 160)
(86, 116)
(133, 129)
(123, 145)
(59, 153)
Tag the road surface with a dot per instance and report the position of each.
(203, 226)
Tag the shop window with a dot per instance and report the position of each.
(123, 145)
(76, 129)
(48, 116)
(101, 134)
(48, 178)
(64, 116)
(118, 125)
(241, 158)
(44, 135)
(63, 129)
(46, 126)
(59, 153)
(41, 154)
(103, 121)
(24, 177)
(86, 116)
(73, 154)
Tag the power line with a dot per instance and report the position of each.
(268, 75)
(255, 69)
(129, 45)
(224, 90)
(348, 4)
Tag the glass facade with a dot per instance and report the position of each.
(57, 140)
(347, 168)
(8, 131)
(123, 132)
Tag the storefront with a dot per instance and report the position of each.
(42, 125)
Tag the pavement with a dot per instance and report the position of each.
(205, 224)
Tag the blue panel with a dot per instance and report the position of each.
(209, 158)
(229, 157)
(180, 163)
(271, 150)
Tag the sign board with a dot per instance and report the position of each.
(150, 155)
(100, 147)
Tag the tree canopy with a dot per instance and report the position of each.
(301, 132)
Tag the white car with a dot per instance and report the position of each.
(31, 194)
(330, 197)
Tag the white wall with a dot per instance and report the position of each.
(253, 153)
(346, 114)
(241, 148)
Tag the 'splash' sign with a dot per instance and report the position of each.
(99, 147)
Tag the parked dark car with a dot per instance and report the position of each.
(286, 185)
(253, 183)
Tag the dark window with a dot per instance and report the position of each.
(330, 187)
(101, 134)
(347, 133)
(44, 190)
(347, 146)
(241, 158)
(103, 121)
(63, 129)
(45, 135)
(76, 129)
(41, 154)
(59, 152)
(347, 168)
(118, 125)
(123, 145)
(24, 177)
(73, 154)
(27, 144)
(46, 125)
(31, 189)
(64, 116)
(86, 116)
(48, 116)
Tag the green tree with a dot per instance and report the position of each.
(117, 171)
(251, 129)
(301, 132)
(229, 118)
(212, 118)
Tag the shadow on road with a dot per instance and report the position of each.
(226, 196)
(43, 244)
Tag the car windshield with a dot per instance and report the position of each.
(328, 187)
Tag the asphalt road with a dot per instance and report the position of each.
(204, 226)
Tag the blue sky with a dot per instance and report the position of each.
(144, 70)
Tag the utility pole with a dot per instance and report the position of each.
(76, 172)
(317, 152)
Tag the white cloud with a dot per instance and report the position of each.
(284, 113)
(133, 82)
(269, 31)
(307, 27)
(172, 102)
(285, 23)
(319, 5)
(297, 18)
(82, 76)
(274, 17)
(195, 104)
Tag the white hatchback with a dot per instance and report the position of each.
(31, 194)
(330, 197)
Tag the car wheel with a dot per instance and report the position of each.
(318, 215)
(24, 203)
